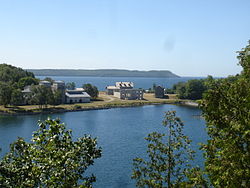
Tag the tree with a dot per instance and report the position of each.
(57, 97)
(5, 93)
(71, 85)
(26, 81)
(226, 109)
(16, 97)
(91, 90)
(194, 89)
(41, 95)
(51, 159)
(180, 89)
(154, 86)
(13, 74)
(168, 157)
(49, 80)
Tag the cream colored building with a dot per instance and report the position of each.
(125, 91)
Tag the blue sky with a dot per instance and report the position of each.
(189, 38)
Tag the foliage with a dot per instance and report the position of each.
(71, 85)
(169, 91)
(180, 89)
(195, 89)
(195, 178)
(27, 81)
(168, 156)
(49, 80)
(13, 74)
(91, 90)
(41, 95)
(5, 93)
(16, 97)
(11, 80)
(226, 109)
(192, 89)
(57, 97)
(52, 159)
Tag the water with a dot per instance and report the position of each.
(139, 82)
(120, 133)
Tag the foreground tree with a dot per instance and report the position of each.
(226, 108)
(52, 159)
(168, 157)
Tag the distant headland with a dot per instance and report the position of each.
(104, 73)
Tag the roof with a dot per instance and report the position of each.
(44, 82)
(79, 89)
(58, 82)
(75, 91)
(132, 89)
(27, 89)
(112, 87)
(124, 84)
(77, 94)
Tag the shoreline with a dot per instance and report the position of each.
(54, 110)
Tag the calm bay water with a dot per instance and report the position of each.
(102, 82)
(120, 133)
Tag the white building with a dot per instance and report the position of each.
(77, 96)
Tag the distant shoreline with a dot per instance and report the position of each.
(104, 73)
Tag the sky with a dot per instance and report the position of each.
(187, 37)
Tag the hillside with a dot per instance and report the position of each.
(103, 73)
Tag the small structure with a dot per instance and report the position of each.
(45, 83)
(26, 90)
(77, 96)
(59, 86)
(125, 90)
(159, 92)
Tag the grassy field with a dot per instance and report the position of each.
(104, 101)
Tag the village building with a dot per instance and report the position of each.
(129, 94)
(77, 96)
(125, 91)
(45, 83)
(118, 86)
(159, 92)
(59, 86)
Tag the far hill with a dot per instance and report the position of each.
(103, 73)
